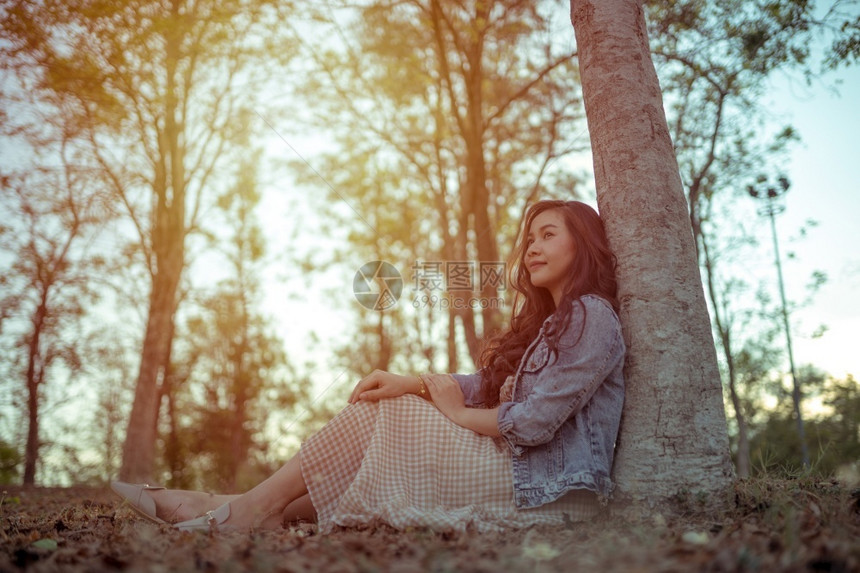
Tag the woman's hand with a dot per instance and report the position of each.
(446, 394)
(380, 384)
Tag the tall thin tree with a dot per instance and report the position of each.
(50, 214)
(674, 436)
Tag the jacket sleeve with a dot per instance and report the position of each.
(470, 384)
(568, 380)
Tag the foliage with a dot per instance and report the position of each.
(229, 370)
(845, 44)
(54, 208)
(159, 97)
(833, 434)
(715, 61)
(446, 118)
(10, 459)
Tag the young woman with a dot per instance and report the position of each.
(528, 439)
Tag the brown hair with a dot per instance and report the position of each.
(592, 272)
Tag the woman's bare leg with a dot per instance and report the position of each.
(263, 506)
(173, 505)
(265, 503)
(299, 510)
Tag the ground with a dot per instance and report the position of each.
(772, 526)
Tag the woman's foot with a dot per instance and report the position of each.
(137, 497)
(175, 505)
(235, 516)
(259, 508)
(211, 520)
(161, 505)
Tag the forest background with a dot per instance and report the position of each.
(305, 142)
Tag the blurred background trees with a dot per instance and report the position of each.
(447, 119)
(715, 60)
(136, 329)
(230, 370)
(160, 96)
(47, 283)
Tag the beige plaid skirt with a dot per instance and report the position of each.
(403, 463)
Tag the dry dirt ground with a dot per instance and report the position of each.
(797, 525)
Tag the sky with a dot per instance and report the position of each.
(826, 188)
(822, 169)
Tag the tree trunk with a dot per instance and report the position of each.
(238, 442)
(383, 357)
(742, 458)
(138, 453)
(34, 376)
(465, 311)
(743, 454)
(673, 437)
(451, 342)
(476, 168)
(167, 391)
(172, 453)
(242, 380)
(168, 247)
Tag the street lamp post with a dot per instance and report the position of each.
(771, 209)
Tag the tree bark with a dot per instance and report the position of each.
(168, 248)
(673, 437)
(35, 372)
(138, 454)
(476, 168)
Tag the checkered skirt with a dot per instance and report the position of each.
(403, 463)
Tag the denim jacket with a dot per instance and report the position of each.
(563, 419)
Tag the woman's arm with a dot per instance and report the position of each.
(470, 384)
(380, 384)
(447, 395)
(479, 420)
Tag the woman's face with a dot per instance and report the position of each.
(550, 252)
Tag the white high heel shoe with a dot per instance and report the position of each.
(209, 520)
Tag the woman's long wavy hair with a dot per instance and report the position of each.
(592, 271)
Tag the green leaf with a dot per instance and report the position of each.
(48, 544)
